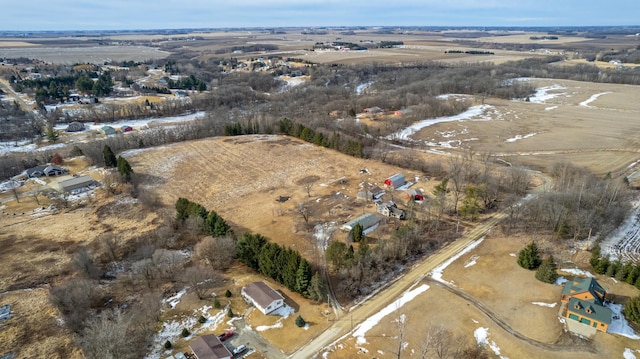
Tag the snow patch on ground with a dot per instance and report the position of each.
(628, 353)
(561, 281)
(542, 304)
(362, 87)
(471, 261)
(362, 329)
(512, 255)
(172, 329)
(520, 137)
(482, 338)
(436, 273)
(262, 328)
(175, 300)
(550, 108)
(576, 271)
(542, 94)
(620, 325)
(473, 112)
(322, 233)
(593, 98)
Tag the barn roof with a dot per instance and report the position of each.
(76, 182)
(367, 220)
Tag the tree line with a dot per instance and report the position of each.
(284, 265)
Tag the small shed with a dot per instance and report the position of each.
(372, 194)
(209, 347)
(368, 221)
(262, 297)
(415, 195)
(395, 181)
(374, 109)
(400, 113)
(76, 183)
(108, 130)
(75, 127)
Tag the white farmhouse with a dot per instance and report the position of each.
(262, 297)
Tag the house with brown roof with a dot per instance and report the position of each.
(209, 347)
(262, 297)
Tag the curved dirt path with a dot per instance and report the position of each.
(585, 345)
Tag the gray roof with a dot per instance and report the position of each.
(209, 347)
(76, 182)
(261, 294)
(366, 220)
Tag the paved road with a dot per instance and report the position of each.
(342, 327)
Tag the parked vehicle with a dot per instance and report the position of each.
(239, 349)
(226, 335)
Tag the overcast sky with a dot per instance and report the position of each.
(23, 15)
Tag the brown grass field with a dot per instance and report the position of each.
(241, 178)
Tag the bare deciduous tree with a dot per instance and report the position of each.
(201, 279)
(83, 262)
(217, 252)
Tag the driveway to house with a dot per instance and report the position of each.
(419, 272)
(253, 340)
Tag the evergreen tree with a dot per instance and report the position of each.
(547, 272)
(316, 289)
(634, 274)
(602, 265)
(52, 134)
(182, 205)
(336, 254)
(529, 257)
(614, 268)
(357, 232)
(595, 256)
(303, 277)
(300, 322)
(229, 313)
(249, 248)
(109, 157)
(124, 169)
(631, 310)
(266, 260)
(623, 273)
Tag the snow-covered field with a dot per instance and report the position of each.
(543, 94)
(473, 113)
(619, 325)
(593, 98)
(624, 244)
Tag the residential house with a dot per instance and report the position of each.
(584, 289)
(77, 184)
(368, 221)
(390, 209)
(589, 313)
(585, 299)
(262, 297)
(209, 347)
(45, 170)
(374, 193)
(395, 181)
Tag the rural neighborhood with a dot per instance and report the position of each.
(320, 192)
